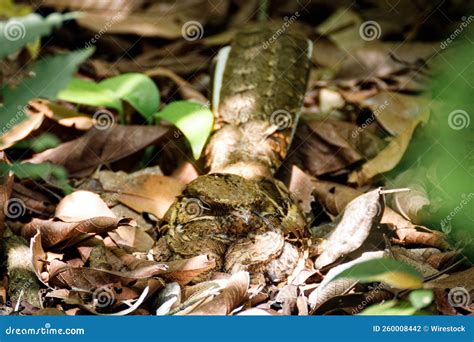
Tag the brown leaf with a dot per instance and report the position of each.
(149, 193)
(353, 228)
(389, 157)
(132, 239)
(464, 279)
(181, 271)
(231, 296)
(22, 130)
(6, 186)
(35, 200)
(97, 147)
(69, 233)
(410, 234)
(157, 19)
(334, 197)
(411, 204)
(82, 205)
(185, 270)
(334, 145)
(302, 188)
(394, 111)
(62, 115)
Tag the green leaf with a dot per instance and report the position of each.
(90, 93)
(137, 89)
(39, 171)
(393, 272)
(50, 75)
(420, 298)
(389, 308)
(16, 32)
(193, 119)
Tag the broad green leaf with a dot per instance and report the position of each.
(390, 308)
(50, 75)
(137, 89)
(90, 93)
(393, 272)
(193, 119)
(420, 298)
(16, 32)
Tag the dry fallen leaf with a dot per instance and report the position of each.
(100, 146)
(412, 204)
(358, 218)
(394, 111)
(231, 296)
(132, 239)
(330, 145)
(149, 193)
(69, 233)
(389, 157)
(82, 205)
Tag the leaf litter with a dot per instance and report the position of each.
(97, 249)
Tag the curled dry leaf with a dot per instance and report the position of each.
(394, 111)
(234, 294)
(353, 227)
(181, 271)
(329, 146)
(62, 115)
(411, 204)
(168, 298)
(302, 188)
(389, 157)
(100, 146)
(132, 239)
(68, 233)
(463, 279)
(333, 197)
(63, 275)
(82, 205)
(22, 130)
(185, 270)
(408, 233)
(149, 193)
